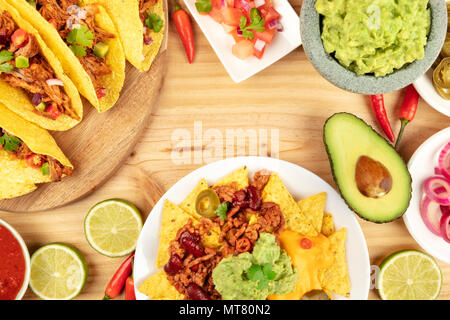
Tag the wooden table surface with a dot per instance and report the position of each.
(290, 96)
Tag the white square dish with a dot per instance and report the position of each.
(222, 42)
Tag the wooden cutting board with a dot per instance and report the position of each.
(100, 143)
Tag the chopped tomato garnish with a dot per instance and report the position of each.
(231, 16)
(269, 14)
(243, 49)
(34, 161)
(53, 111)
(101, 93)
(19, 38)
(266, 36)
(217, 4)
(305, 243)
(216, 15)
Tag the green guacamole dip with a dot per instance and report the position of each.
(374, 36)
(231, 276)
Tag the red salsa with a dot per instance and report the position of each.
(12, 265)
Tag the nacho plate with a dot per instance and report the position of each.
(356, 249)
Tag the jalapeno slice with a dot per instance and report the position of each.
(206, 203)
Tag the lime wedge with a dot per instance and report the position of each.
(58, 272)
(112, 227)
(409, 275)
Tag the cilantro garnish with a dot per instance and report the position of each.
(79, 39)
(45, 169)
(262, 274)
(6, 55)
(6, 67)
(154, 22)
(256, 24)
(9, 143)
(222, 210)
(203, 5)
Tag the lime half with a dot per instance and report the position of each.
(58, 272)
(409, 275)
(112, 227)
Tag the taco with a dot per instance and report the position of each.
(32, 81)
(85, 40)
(28, 155)
(140, 24)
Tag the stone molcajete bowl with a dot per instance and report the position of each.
(330, 69)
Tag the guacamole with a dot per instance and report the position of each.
(374, 36)
(234, 279)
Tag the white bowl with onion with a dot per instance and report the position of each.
(428, 216)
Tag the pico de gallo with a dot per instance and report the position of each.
(252, 23)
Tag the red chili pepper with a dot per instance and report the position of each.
(34, 161)
(380, 112)
(129, 289)
(116, 284)
(408, 109)
(184, 29)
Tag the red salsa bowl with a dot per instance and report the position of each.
(14, 263)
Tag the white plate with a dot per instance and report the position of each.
(222, 42)
(300, 182)
(421, 166)
(424, 86)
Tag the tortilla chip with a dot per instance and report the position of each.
(313, 208)
(188, 204)
(240, 177)
(157, 287)
(335, 279)
(173, 218)
(275, 191)
(17, 100)
(327, 225)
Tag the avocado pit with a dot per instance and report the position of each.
(372, 178)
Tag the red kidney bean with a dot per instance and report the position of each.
(174, 265)
(3, 37)
(197, 293)
(254, 198)
(192, 246)
(195, 268)
(193, 236)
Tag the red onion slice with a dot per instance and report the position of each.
(54, 82)
(433, 183)
(245, 5)
(437, 171)
(259, 45)
(36, 99)
(444, 161)
(445, 228)
(431, 215)
(259, 3)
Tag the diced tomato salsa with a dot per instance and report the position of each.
(12, 265)
(253, 24)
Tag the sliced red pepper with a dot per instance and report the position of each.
(35, 161)
(305, 243)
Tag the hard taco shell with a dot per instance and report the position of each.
(18, 101)
(115, 58)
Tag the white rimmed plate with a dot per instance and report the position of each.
(421, 166)
(424, 86)
(300, 182)
(222, 42)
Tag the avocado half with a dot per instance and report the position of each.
(347, 138)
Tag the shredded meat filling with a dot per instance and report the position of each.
(58, 13)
